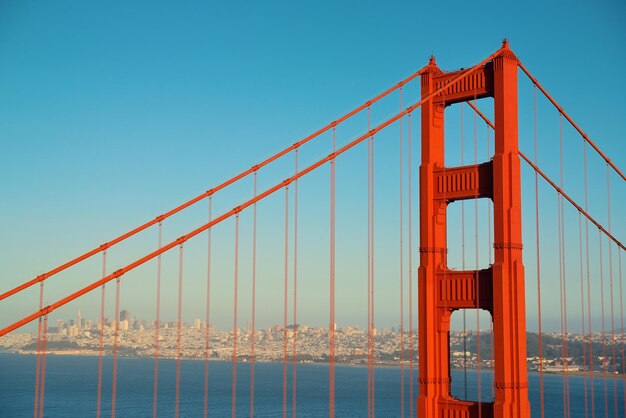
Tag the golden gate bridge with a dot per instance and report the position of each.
(592, 283)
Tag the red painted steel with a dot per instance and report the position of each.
(572, 202)
(207, 317)
(235, 210)
(42, 376)
(589, 329)
(410, 249)
(559, 189)
(285, 287)
(401, 232)
(570, 120)
(157, 326)
(563, 280)
(582, 308)
(101, 351)
(369, 272)
(38, 356)
(294, 373)
(372, 287)
(253, 330)
(614, 353)
(115, 346)
(497, 78)
(331, 321)
(499, 289)
(179, 329)
(538, 257)
(235, 333)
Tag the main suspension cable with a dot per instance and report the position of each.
(214, 190)
(570, 120)
(557, 188)
(237, 209)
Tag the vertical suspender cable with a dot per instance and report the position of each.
(560, 228)
(621, 310)
(476, 277)
(42, 375)
(463, 260)
(582, 307)
(286, 275)
(372, 290)
(179, 329)
(562, 281)
(235, 334)
(489, 249)
(253, 331)
(410, 249)
(565, 287)
(157, 325)
(610, 244)
(589, 327)
(101, 350)
(401, 275)
(331, 322)
(116, 329)
(38, 357)
(606, 399)
(369, 268)
(538, 256)
(40, 353)
(207, 317)
(295, 288)
(489, 202)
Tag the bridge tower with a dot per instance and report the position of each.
(498, 289)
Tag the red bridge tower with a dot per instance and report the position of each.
(498, 289)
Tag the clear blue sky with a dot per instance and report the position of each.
(112, 113)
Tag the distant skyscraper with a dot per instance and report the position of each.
(78, 320)
(59, 326)
(125, 315)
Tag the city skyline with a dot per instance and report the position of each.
(136, 338)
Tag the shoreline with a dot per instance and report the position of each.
(95, 353)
